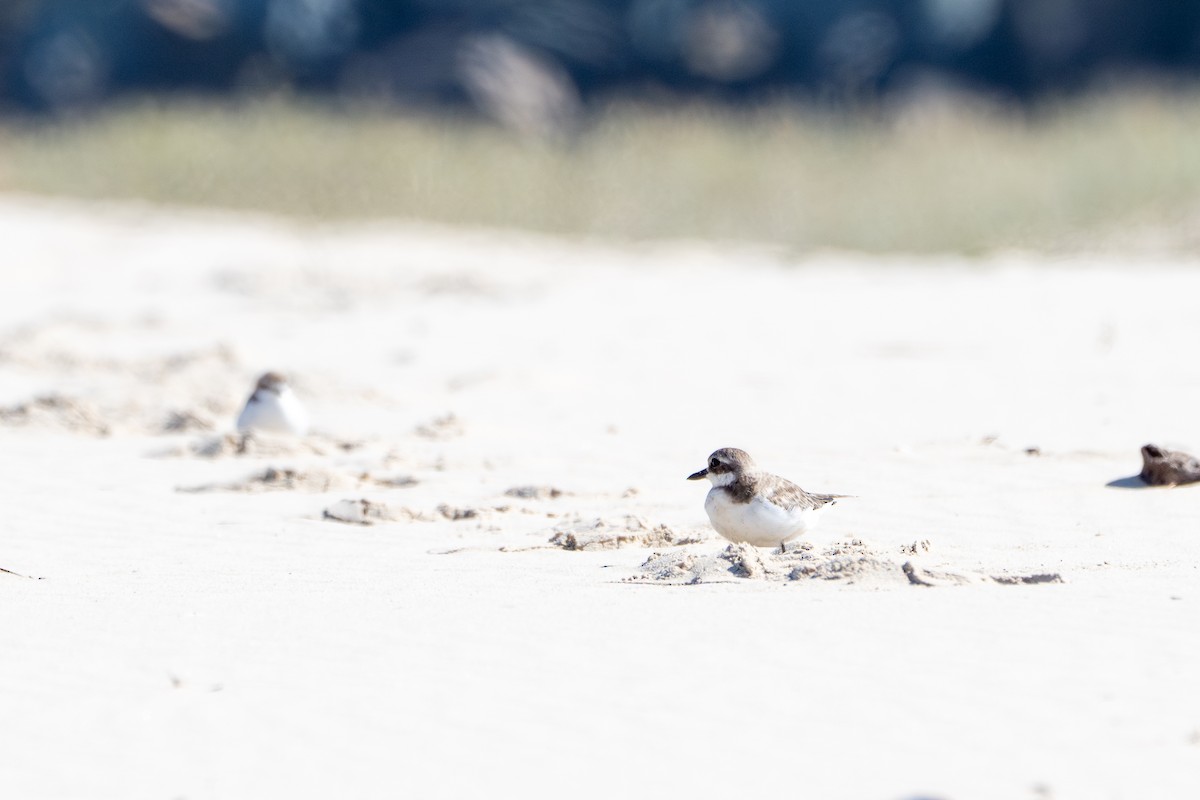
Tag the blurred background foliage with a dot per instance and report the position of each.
(530, 64)
(879, 125)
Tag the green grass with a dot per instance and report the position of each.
(954, 180)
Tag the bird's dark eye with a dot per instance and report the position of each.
(713, 464)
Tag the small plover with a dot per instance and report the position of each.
(748, 505)
(273, 408)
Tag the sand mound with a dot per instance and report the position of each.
(440, 428)
(368, 512)
(456, 513)
(275, 479)
(160, 393)
(256, 445)
(56, 411)
(188, 422)
(252, 445)
(535, 492)
(853, 562)
(395, 481)
(630, 531)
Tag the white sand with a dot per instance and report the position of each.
(237, 644)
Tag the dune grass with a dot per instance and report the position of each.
(929, 179)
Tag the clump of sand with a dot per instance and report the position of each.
(629, 531)
(57, 411)
(188, 422)
(395, 481)
(160, 393)
(283, 479)
(916, 548)
(535, 492)
(251, 445)
(440, 428)
(456, 513)
(254, 445)
(369, 512)
(852, 562)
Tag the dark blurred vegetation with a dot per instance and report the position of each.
(533, 65)
(880, 125)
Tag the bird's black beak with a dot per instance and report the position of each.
(695, 476)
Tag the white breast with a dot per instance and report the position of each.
(758, 522)
(274, 413)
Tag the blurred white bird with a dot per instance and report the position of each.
(273, 408)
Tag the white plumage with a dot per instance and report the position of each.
(759, 522)
(273, 408)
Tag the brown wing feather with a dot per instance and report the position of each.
(786, 494)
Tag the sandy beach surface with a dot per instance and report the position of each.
(484, 574)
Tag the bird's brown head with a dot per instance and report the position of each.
(724, 466)
(271, 382)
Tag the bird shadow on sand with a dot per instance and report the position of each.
(1132, 482)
